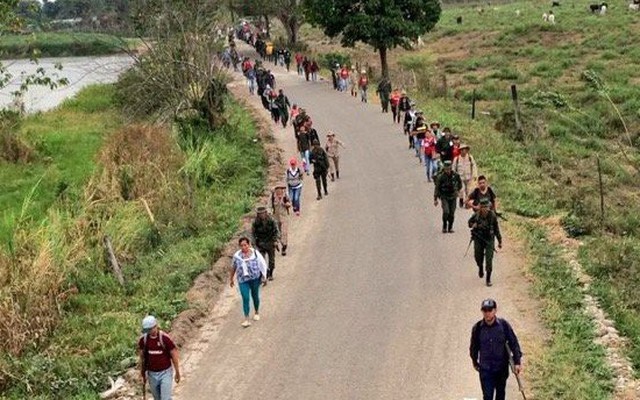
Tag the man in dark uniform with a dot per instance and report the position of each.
(447, 186)
(492, 341)
(484, 232)
(266, 236)
(444, 146)
(384, 91)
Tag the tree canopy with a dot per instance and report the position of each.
(383, 24)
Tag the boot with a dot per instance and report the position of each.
(333, 177)
(337, 174)
(284, 250)
(489, 277)
(480, 271)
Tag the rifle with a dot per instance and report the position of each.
(501, 216)
(475, 236)
(512, 366)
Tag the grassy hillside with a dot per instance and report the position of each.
(65, 319)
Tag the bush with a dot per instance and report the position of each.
(329, 60)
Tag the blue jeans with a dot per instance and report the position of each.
(431, 166)
(314, 76)
(294, 195)
(493, 382)
(305, 156)
(417, 145)
(161, 383)
(251, 83)
(250, 290)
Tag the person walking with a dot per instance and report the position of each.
(363, 85)
(429, 154)
(465, 166)
(320, 163)
(298, 57)
(395, 101)
(332, 147)
(484, 232)
(482, 191)
(280, 206)
(315, 68)
(384, 91)
(249, 268)
(294, 179)
(447, 186)
(493, 343)
(283, 104)
(266, 236)
(343, 76)
(353, 81)
(303, 143)
(444, 146)
(159, 359)
(404, 105)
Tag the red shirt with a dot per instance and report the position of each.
(159, 358)
(395, 99)
(429, 146)
(299, 58)
(364, 81)
(456, 150)
(344, 73)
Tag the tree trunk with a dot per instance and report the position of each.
(383, 62)
(267, 25)
(293, 30)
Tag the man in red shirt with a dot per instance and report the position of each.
(395, 101)
(158, 359)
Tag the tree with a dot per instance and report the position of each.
(383, 24)
(290, 13)
(174, 76)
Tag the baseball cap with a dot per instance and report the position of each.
(488, 304)
(148, 323)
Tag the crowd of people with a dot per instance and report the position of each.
(449, 166)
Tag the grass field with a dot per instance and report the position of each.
(61, 44)
(57, 273)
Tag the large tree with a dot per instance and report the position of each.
(383, 24)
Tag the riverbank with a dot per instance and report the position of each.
(63, 44)
(196, 196)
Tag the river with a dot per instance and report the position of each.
(80, 71)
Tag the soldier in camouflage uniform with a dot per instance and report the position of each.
(266, 237)
(484, 232)
(447, 186)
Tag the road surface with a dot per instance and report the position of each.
(372, 301)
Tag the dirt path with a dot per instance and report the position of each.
(372, 302)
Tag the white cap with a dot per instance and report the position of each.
(149, 322)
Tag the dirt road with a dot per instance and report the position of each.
(372, 301)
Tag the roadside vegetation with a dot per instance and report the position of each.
(66, 320)
(579, 96)
(62, 44)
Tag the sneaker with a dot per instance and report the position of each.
(298, 213)
(319, 198)
(489, 283)
(256, 317)
(480, 273)
(444, 230)
(451, 230)
(270, 278)
(246, 324)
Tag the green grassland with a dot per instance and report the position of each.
(61, 44)
(198, 201)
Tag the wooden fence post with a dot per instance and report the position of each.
(514, 97)
(113, 261)
(601, 191)
(473, 105)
